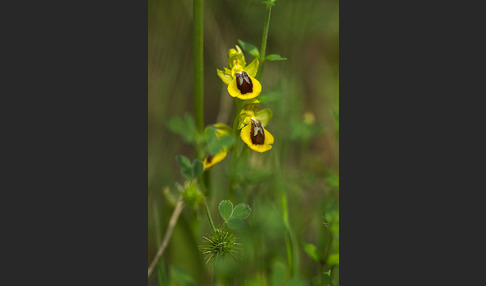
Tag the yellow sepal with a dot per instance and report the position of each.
(252, 68)
(226, 78)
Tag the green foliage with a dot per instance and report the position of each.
(274, 57)
(333, 259)
(233, 216)
(225, 209)
(188, 170)
(179, 275)
(217, 143)
(312, 251)
(251, 49)
(241, 211)
(184, 127)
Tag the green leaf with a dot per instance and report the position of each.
(197, 168)
(251, 49)
(212, 140)
(183, 161)
(274, 57)
(225, 209)
(184, 127)
(311, 250)
(226, 140)
(215, 144)
(190, 124)
(235, 223)
(333, 259)
(241, 211)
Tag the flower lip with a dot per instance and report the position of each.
(243, 82)
(209, 158)
(257, 133)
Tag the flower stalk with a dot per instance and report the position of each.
(198, 21)
(208, 213)
(264, 40)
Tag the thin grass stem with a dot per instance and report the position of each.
(168, 234)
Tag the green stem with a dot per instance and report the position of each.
(234, 153)
(293, 255)
(198, 15)
(264, 41)
(213, 228)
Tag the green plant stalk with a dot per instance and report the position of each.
(234, 153)
(264, 41)
(208, 213)
(198, 60)
(291, 243)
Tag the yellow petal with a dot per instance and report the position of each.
(216, 159)
(235, 92)
(245, 136)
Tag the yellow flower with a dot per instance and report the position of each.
(256, 136)
(210, 161)
(240, 78)
(244, 86)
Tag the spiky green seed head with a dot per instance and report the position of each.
(219, 244)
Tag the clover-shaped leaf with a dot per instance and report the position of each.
(184, 126)
(188, 170)
(233, 216)
(241, 211)
(225, 209)
(215, 143)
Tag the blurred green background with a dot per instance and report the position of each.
(303, 93)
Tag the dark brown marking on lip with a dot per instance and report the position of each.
(257, 133)
(209, 158)
(243, 82)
